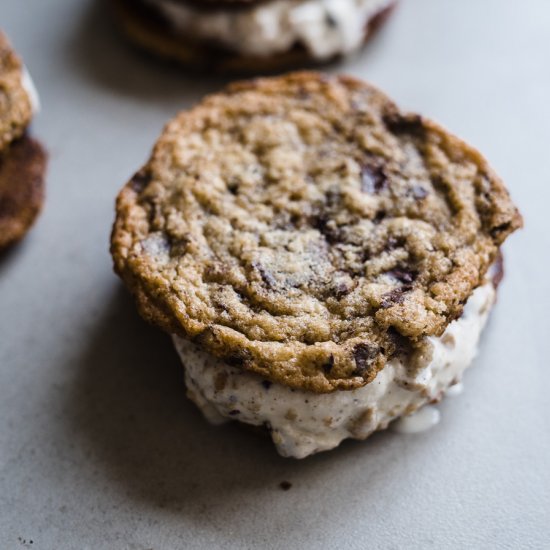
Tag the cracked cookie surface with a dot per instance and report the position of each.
(303, 228)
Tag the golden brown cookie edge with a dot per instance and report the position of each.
(22, 188)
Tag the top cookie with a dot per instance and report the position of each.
(304, 228)
(15, 103)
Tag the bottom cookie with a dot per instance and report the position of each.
(22, 170)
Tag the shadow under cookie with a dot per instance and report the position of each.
(97, 53)
(127, 410)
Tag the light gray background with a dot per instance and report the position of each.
(99, 448)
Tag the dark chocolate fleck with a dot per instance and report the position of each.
(503, 227)
(140, 181)
(395, 242)
(327, 366)
(267, 384)
(364, 356)
(327, 228)
(401, 343)
(365, 255)
(404, 124)
(234, 412)
(233, 186)
(380, 215)
(235, 360)
(403, 275)
(395, 296)
(295, 220)
(373, 178)
(341, 289)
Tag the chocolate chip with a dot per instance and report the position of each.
(341, 289)
(373, 178)
(404, 124)
(285, 485)
(394, 297)
(364, 356)
(499, 229)
(327, 366)
(295, 219)
(395, 242)
(234, 412)
(237, 360)
(267, 384)
(401, 343)
(327, 228)
(403, 275)
(140, 181)
(233, 186)
(366, 255)
(178, 247)
(380, 215)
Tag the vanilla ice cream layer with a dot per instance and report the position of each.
(324, 27)
(302, 423)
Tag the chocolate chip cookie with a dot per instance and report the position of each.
(251, 35)
(305, 229)
(22, 159)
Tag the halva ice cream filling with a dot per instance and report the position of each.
(302, 423)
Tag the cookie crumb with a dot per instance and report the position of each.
(285, 485)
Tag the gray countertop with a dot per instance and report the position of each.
(98, 446)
